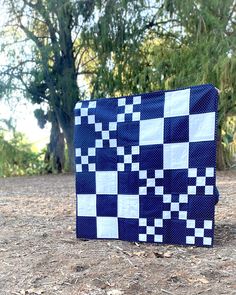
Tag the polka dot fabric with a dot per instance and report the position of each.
(145, 167)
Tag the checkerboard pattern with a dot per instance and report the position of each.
(145, 167)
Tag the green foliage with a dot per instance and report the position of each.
(119, 47)
(17, 157)
(229, 139)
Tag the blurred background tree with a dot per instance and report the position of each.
(72, 50)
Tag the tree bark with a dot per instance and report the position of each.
(220, 161)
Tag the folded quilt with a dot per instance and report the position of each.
(146, 167)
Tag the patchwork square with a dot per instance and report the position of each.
(106, 182)
(177, 103)
(146, 167)
(151, 131)
(176, 155)
(202, 127)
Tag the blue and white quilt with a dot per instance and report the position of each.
(145, 167)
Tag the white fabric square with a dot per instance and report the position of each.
(183, 215)
(176, 155)
(91, 119)
(120, 150)
(120, 166)
(128, 206)
(159, 190)
(159, 174)
(99, 143)
(78, 152)
(150, 230)
(135, 166)
(121, 102)
(166, 215)
(150, 182)
(167, 199)
(191, 223)
(120, 117)
(158, 222)
(98, 126)
(112, 126)
(209, 190)
(143, 190)
(192, 190)
(84, 112)
(92, 104)
(135, 150)
(91, 151)
(127, 158)
(78, 105)
(77, 120)
(92, 167)
(174, 207)
(78, 168)
(142, 222)
(192, 172)
(151, 131)
(190, 240)
(107, 227)
(129, 109)
(183, 198)
(210, 172)
(199, 232)
(201, 181)
(86, 205)
(105, 134)
(84, 160)
(143, 174)
(208, 224)
(106, 182)
(113, 142)
(136, 116)
(137, 100)
(207, 241)
(142, 237)
(177, 103)
(202, 127)
(158, 238)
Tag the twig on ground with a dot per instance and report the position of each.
(167, 292)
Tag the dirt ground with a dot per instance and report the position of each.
(39, 253)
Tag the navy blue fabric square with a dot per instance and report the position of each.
(128, 133)
(106, 159)
(203, 99)
(201, 207)
(85, 183)
(202, 154)
(86, 227)
(151, 207)
(210, 181)
(175, 232)
(84, 135)
(107, 205)
(152, 106)
(176, 129)
(106, 110)
(128, 229)
(179, 181)
(128, 182)
(151, 157)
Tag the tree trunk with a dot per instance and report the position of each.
(69, 134)
(67, 125)
(220, 161)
